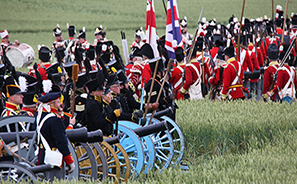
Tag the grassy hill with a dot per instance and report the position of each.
(32, 21)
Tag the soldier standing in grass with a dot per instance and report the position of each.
(100, 35)
(58, 45)
(69, 44)
(44, 57)
(139, 39)
(273, 54)
(52, 140)
(187, 37)
(193, 73)
(232, 77)
(5, 42)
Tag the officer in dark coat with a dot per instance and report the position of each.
(51, 134)
(119, 100)
(165, 99)
(96, 117)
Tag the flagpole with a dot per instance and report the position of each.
(164, 7)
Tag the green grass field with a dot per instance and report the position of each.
(32, 21)
(235, 142)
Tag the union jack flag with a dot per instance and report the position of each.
(173, 31)
(151, 35)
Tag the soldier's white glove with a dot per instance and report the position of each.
(71, 168)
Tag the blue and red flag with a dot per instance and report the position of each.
(173, 31)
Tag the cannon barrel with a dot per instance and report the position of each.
(9, 137)
(158, 114)
(40, 168)
(114, 139)
(75, 135)
(150, 129)
(255, 75)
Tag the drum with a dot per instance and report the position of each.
(20, 55)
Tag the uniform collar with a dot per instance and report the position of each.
(114, 94)
(12, 106)
(230, 59)
(273, 63)
(96, 98)
(28, 109)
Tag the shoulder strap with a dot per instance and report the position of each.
(237, 75)
(39, 126)
(198, 74)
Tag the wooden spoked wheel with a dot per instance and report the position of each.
(124, 162)
(102, 168)
(113, 163)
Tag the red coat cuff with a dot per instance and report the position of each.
(68, 159)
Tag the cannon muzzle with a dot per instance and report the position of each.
(95, 136)
(114, 139)
(151, 129)
(161, 113)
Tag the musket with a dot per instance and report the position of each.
(74, 79)
(188, 58)
(152, 85)
(8, 64)
(273, 19)
(161, 89)
(239, 32)
(283, 61)
(141, 102)
(284, 26)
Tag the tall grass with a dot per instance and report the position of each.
(220, 128)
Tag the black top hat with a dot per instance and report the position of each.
(30, 96)
(279, 22)
(135, 52)
(183, 22)
(45, 54)
(122, 76)
(199, 43)
(153, 63)
(161, 41)
(71, 31)
(294, 20)
(179, 54)
(55, 68)
(31, 81)
(229, 51)
(220, 53)
(273, 51)
(68, 68)
(82, 80)
(96, 84)
(82, 34)
(56, 79)
(91, 52)
(60, 53)
(112, 79)
(57, 31)
(137, 33)
(99, 30)
(11, 87)
(114, 63)
(147, 51)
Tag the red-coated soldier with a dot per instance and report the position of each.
(269, 73)
(176, 74)
(232, 77)
(192, 73)
(216, 80)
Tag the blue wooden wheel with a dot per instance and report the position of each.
(178, 139)
(133, 146)
(164, 147)
(148, 145)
